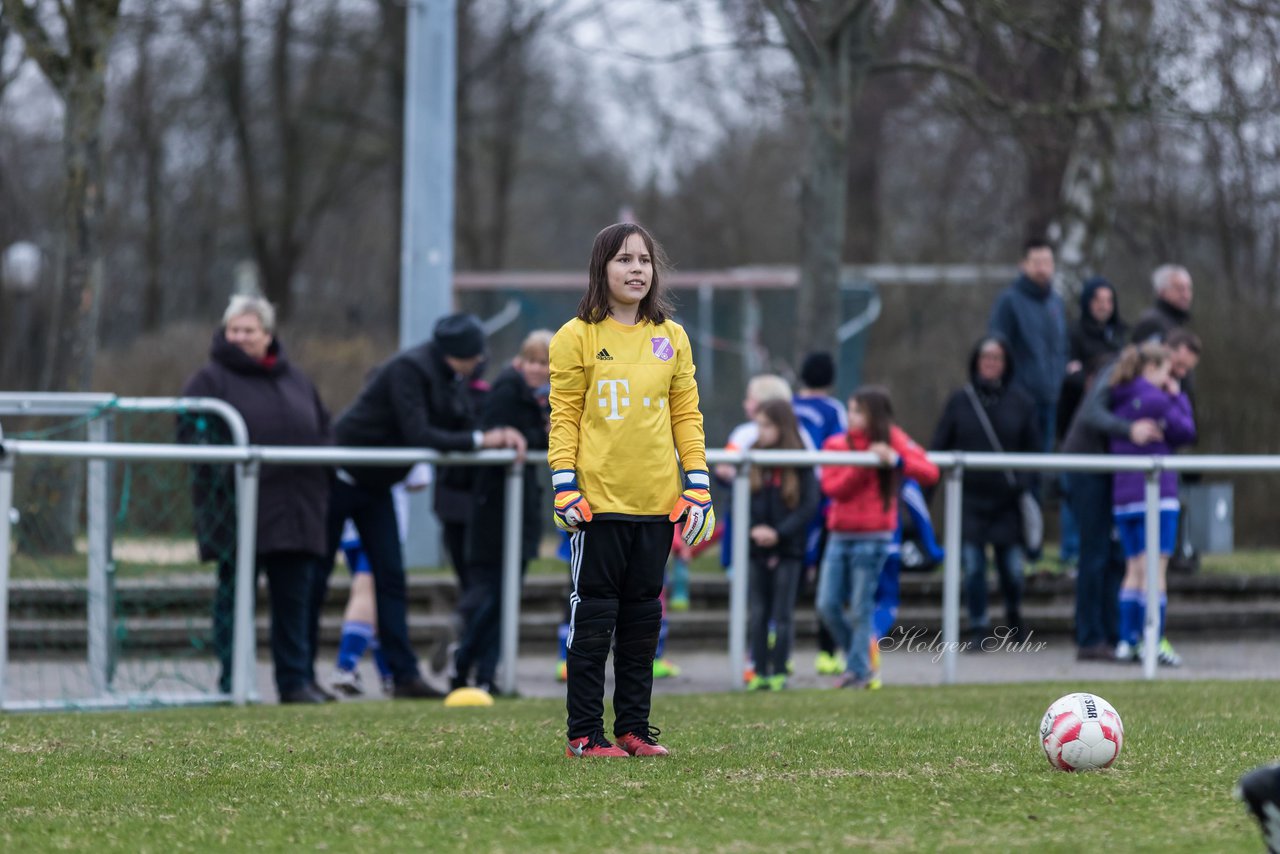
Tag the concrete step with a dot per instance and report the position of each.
(696, 629)
(437, 593)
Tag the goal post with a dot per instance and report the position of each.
(105, 604)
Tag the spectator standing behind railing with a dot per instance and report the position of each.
(863, 520)
(1100, 331)
(1167, 315)
(1095, 338)
(512, 401)
(760, 389)
(821, 416)
(453, 499)
(1171, 308)
(1171, 311)
(1143, 383)
(1101, 567)
(418, 399)
(248, 369)
(1032, 319)
(991, 516)
(783, 501)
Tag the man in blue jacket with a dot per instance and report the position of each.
(1033, 319)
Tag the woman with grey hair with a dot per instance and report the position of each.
(248, 368)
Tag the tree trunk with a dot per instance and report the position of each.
(832, 86)
(80, 289)
(1085, 205)
(862, 227)
(152, 172)
(153, 291)
(1046, 167)
(276, 268)
(79, 76)
(822, 216)
(394, 35)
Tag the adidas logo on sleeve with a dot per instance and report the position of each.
(603, 356)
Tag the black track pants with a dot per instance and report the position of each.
(616, 568)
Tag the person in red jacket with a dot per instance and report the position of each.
(861, 521)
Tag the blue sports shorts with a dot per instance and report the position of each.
(1132, 528)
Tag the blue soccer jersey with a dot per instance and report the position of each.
(821, 417)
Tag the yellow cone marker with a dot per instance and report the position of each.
(468, 697)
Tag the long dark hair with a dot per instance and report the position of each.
(877, 409)
(780, 414)
(594, 306)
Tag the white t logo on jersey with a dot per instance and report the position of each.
(613, 401)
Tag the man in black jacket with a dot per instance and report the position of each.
(418, 399)
(1171, 308)
(518, 398)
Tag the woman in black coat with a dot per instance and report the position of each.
(517, 400)
(248, 368)
(991, 515)
(1095, 339)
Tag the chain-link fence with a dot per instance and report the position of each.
(113, 594)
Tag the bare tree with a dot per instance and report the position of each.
(303, 142)
(9, 68)
(77, 71)
(1055, 77)
(834, 45)
(148, 148)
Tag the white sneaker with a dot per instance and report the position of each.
(1126, 651)
(346, 683)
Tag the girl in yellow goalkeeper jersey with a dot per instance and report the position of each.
(628, 459)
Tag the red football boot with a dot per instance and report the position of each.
(642, 743)
(593, 745)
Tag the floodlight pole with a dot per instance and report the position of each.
(426, 227)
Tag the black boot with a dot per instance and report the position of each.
(416, 688)
(303, 694)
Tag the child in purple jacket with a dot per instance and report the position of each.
(1142, 387)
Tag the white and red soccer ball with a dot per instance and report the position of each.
(1081, 732)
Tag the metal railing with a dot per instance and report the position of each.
(249, 460)
(953, 464)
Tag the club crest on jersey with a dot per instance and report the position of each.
(662, 348)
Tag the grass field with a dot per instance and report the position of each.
(899, 769)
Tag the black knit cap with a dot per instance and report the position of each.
(459, 335)
(818, 370)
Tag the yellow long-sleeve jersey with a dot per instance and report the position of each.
(623, 403)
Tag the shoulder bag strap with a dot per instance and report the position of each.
(987, 428)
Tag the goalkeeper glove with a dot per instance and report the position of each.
(571, 506)
(694, 506)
